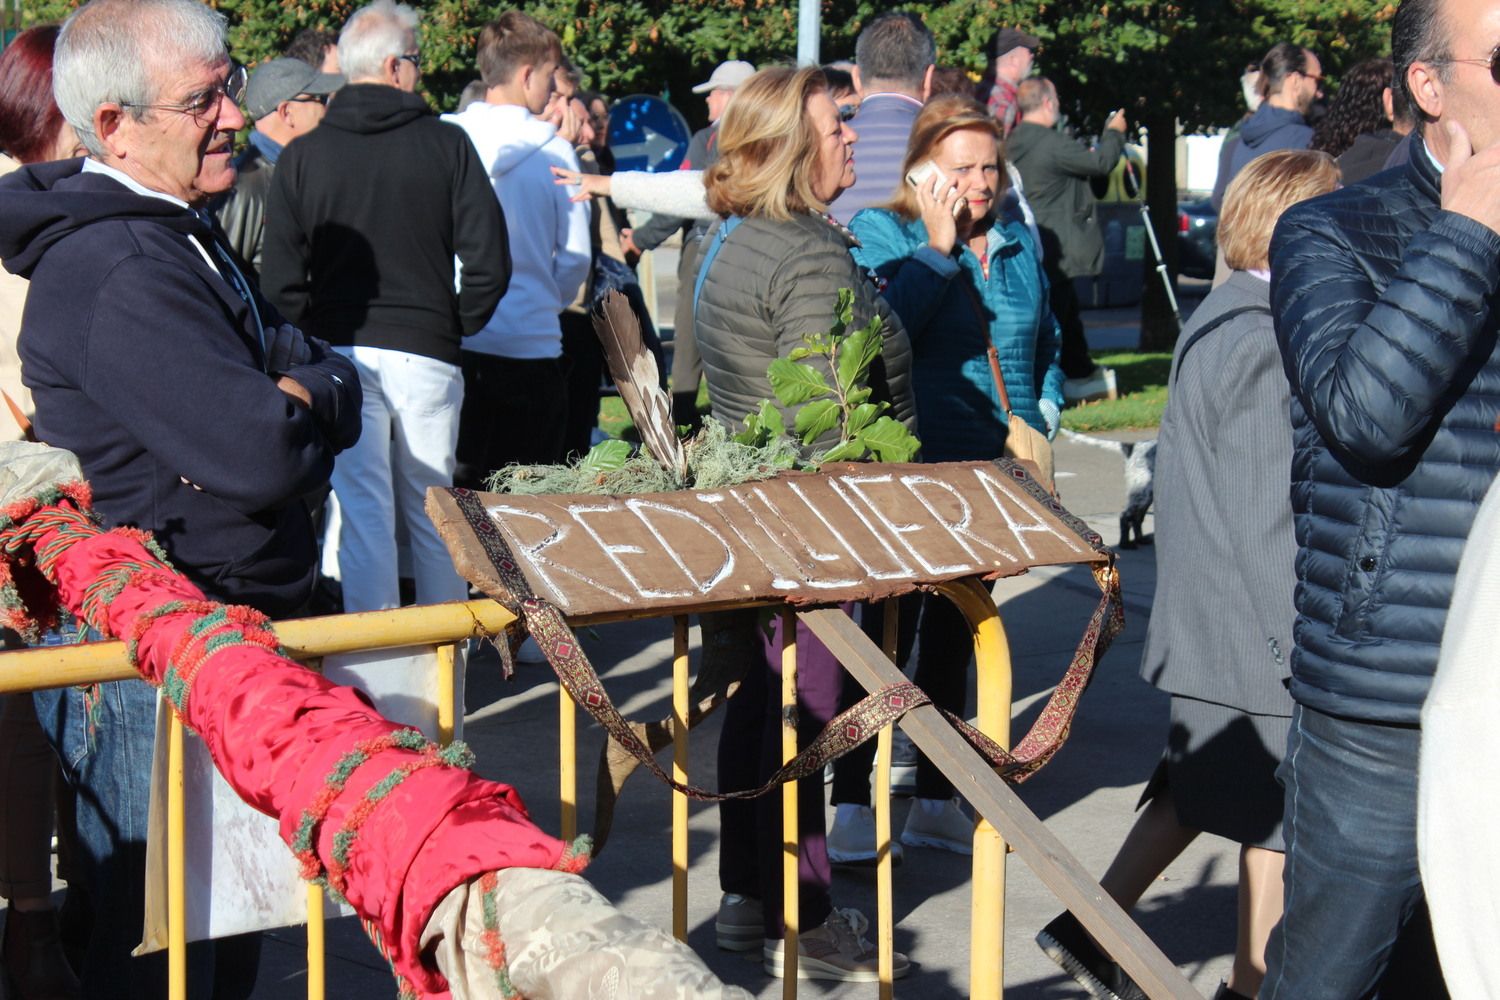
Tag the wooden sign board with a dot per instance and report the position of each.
(848, 532)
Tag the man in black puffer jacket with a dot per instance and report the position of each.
(1384, 296)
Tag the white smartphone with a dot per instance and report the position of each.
(928, 173)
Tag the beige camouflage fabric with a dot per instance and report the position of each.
(563, 940)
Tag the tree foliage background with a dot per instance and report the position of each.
(1167, 62)
(1149, 55)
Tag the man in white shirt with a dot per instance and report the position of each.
(515, 392)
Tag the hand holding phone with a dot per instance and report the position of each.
(937, 183)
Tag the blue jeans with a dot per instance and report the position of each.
(107, 759)
(1351, 881)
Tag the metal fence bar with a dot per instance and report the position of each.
(567, 769)
(317, 979)
(885, 913)
(791, 843)
(304, 639)
(680, 774)
(993, 695)
(176, 863)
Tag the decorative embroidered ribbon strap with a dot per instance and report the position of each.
(557, 642)
(1051, 728)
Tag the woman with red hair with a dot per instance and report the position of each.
(32, 130)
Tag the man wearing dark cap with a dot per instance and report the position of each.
(285, 98)
(1014, 51)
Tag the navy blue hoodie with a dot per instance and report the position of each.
(1266, 131)
(147, 364)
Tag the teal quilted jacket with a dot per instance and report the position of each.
(957, 408)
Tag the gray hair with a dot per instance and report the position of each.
(111, 51)
(372, 35)
(895, 47)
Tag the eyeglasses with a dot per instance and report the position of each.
(415, 58)
(847, 112)
(1492, 63)
(203, 107)
(309, 99)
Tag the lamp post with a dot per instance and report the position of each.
(809, 29)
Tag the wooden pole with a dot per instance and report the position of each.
(997, 802)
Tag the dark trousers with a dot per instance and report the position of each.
(583, 360)
(942, 672)
(105, 749)
(1075, 360)
(749, 753)
(1351, 881)
(514, 412)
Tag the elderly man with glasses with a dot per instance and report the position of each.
(197, 413)
(365, 220)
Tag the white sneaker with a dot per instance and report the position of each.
(836, 951)
(949, 829)
(1099, 384)
(851, 841)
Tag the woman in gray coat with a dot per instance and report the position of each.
(771, 274)
(1221, 623)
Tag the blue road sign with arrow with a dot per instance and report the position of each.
(647, 133)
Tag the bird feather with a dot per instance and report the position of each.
(638, 379)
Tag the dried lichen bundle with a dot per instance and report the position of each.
(714, 461)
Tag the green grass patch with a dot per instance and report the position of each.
(1142, 382)
(1140, 376)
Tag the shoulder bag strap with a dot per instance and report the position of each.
(708, 252)
(994, 356)
(1210, 327)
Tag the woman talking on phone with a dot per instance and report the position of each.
(962, 278)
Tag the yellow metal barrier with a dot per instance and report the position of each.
(444, 624)
(305, 639)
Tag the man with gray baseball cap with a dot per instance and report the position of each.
(726, 77)
(285, 98)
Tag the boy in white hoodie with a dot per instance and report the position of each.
(515, 393)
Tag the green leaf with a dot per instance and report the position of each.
(843, 312)
(816, 418)
(857, 396)
(762, 426)
(798, 353)
(606, 456)
(861, 416)
(856, 353)
(796, 383)
(844, 451)
(889, 440)
(770, 420)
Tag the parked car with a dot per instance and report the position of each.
(1197, 225)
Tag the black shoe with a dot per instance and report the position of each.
(1069, 945)
(1225, 993)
